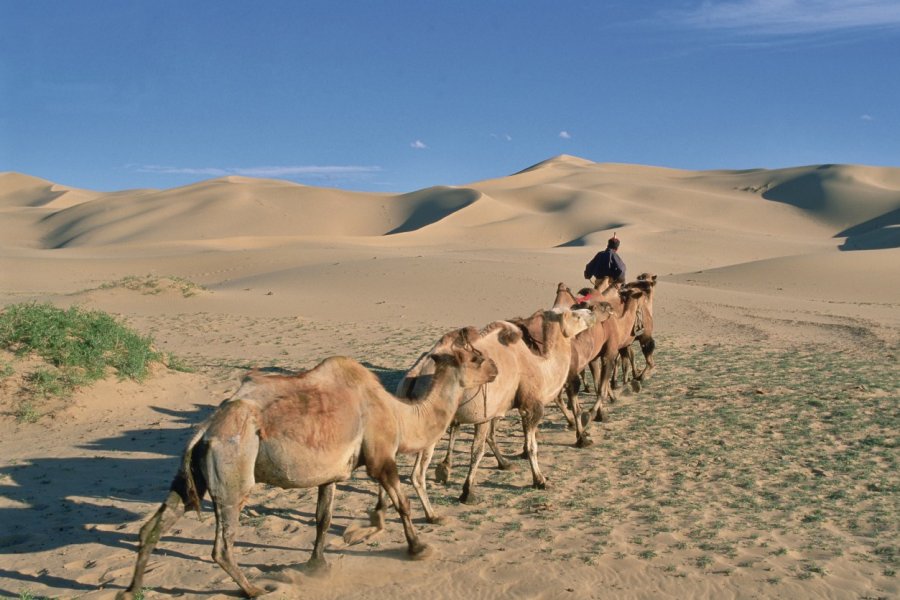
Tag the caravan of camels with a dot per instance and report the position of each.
(314, 428)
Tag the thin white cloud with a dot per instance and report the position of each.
(310, 171)
(867, 117)
(418, 145)
(781, 17)
(565, 135)
(504, 136)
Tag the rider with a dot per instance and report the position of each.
(607, 263)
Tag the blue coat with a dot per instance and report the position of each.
(606, 263)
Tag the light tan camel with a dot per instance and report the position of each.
(309, 430)
(526, 380)
(417, 384)
(529, 381)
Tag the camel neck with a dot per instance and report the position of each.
(423, 422)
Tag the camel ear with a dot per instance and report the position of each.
(561, 287)
(445, 359)
(466, 336)
(635, 292)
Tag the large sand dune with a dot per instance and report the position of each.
(802, 261)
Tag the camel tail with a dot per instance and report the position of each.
(192, 495)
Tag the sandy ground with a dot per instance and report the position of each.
(752, 265)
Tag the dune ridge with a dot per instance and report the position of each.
(559, 202)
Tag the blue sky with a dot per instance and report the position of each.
(396, 96)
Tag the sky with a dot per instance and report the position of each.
(395, 96)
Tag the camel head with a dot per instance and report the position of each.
(564, 296)
(602, 311)
(475, 369)
(649, 277)
(571, 322)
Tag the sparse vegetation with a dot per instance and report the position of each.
(154, 284)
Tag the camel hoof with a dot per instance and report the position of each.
(420, 551)
(635, 385)
(469, 498)
(505, 465)
(584, 442)
(442, 473)
(539, 485)
(436, 520)
(523, 455)
(254, 592)
(355, 534)
(317, 566)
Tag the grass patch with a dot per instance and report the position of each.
(79, 346)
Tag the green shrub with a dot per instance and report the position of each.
(81, 344)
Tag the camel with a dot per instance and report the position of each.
(527, 381)
(417, 380)
(605, 291)
(619, 331)
(585, 347)
(564, 297)
(646, 282)
(417, 384)
(310, 430)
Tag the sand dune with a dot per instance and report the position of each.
(561, 202)
(770, 335)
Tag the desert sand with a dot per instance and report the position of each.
(725, 477)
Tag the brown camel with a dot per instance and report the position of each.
(646, 282)
(564, 297)
(619, 334)
(586, 346)
(309, 430)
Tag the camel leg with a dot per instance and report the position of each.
(226, 527)
(531, 417)
(562, 408)
(389, 479)
(607, 367)
(648, 345)
(355, 534)
(468, 493)
(165, 517)
(443, 468)
(503, 462)
(582, 439)
(584, 381)
(324, 508)
(420, 468)
(626, 355)
(614, 383)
